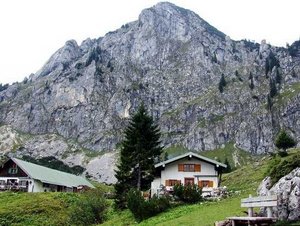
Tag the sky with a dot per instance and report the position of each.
(32, 30)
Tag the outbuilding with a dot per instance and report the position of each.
(19, 175)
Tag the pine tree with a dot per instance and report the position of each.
(222, 83)
(228, 169)
(284, 141)
(278, 77)
(273, 89)
(269, 102)
(140, 148)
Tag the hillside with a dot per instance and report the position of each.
(54, 208)
(240, 183)
(77, 105)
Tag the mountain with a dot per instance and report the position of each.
(76, 106)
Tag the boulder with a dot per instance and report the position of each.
(288, 191)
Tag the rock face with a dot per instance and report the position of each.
(288, 191)
(172, 60)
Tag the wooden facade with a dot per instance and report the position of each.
(11, 169)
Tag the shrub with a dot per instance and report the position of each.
(188, 193)
(281, 167)
(284, 141)
(3, 87)
(222, 84)
(271, 61)
(273, 88)
(142, 209)
(54, 163)
(294, 49)
(89, 209)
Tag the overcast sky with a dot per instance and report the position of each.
(32, 30)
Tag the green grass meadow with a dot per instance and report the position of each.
(53, 209)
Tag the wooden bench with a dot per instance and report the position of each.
(251, 202)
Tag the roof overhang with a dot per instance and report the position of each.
(190, 155)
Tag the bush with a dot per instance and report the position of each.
(222, 84)
(188, 193)
(271, 61)
(294, 49)
(281, 167)
(142, 209)
(284, 141)
(89, 209)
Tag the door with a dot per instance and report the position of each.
(188, 181)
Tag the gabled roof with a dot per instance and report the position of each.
(190, 154)
(51, 176)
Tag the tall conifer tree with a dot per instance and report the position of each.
(140, 148)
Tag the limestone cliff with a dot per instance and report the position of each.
(172, 60)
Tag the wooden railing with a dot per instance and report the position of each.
(13, 187)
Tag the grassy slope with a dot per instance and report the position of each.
(35, 208)
(53, 208)
(235, 156)
(241, 183)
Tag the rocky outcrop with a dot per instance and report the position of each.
(172, 60)
(288, 191)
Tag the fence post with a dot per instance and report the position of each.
(269, 209)
(250, 209)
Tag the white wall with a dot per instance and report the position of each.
(170, 172)
(37, 186)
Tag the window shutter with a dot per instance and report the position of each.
(167, 183)
(178, 182)
(197, 168)
(210, 184)
(200, 185)
(180, 167)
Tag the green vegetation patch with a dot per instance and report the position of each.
(288, 93)
(53, 163)
(241, 182)
(234, 156)
(247, 178)
(281, 166)
(35, 208)
(175, 150)
(203, 214)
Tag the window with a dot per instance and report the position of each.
(172, 182)
(13, 169)
(46, 185)
(188, 181)
(189, 167)
(205, 183)
(23, 183)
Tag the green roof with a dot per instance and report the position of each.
(51, 176)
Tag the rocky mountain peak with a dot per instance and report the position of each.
(173, 22)
(172, 60)
(61, 58)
